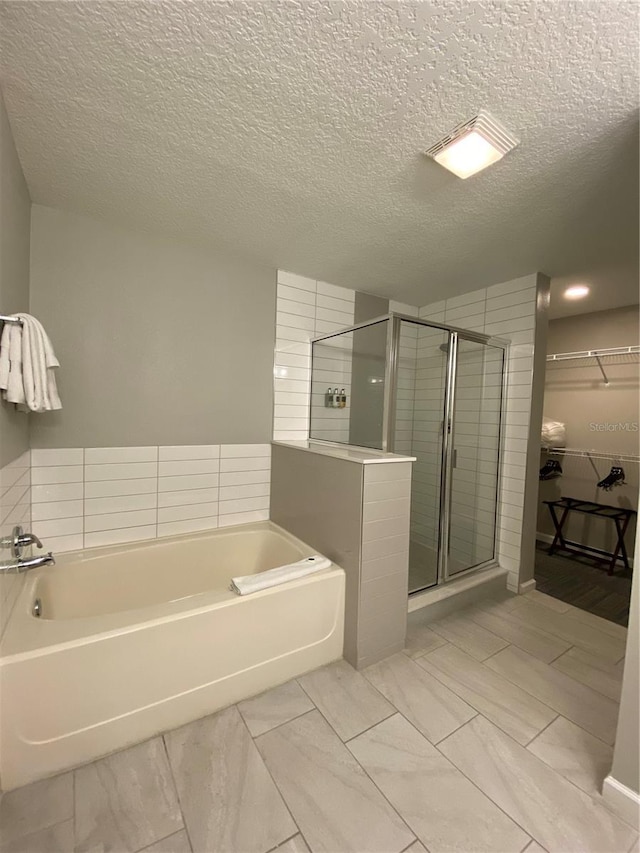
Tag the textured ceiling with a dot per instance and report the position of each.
(292, 132)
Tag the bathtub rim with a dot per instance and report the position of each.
(26, 636)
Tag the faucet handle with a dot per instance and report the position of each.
(20, 540)
(29, 539)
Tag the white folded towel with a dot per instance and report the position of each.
(282, 574)
(27, 362)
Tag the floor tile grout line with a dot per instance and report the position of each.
(279, 725)
(599, 799)
(542, 608)
(584, 683)
(551, 708)
(266, 767)
(459, 615)
(384, 796)
(551, 637)
(484, 793)
(344, 744)
(557, 657)
(280, 843)
(175, 786)
(537, 735)
(165, 837)
(382, 696)
(373, 725)
(457, 729)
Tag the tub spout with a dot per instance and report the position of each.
(25, 565)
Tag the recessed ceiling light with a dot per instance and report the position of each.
(473, 145)
(576, 291)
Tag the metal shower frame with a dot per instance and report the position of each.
(394, 320)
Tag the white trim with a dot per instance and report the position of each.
(527, 586)
(622, 800)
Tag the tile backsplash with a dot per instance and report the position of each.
(87, 497)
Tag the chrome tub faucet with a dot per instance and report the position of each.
(17, 542)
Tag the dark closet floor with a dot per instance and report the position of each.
(578, 581)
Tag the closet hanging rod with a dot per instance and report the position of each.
(591, 454)
(15, 321)
(593, 353)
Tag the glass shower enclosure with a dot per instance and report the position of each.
(403, 385)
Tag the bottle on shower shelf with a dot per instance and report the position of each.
(343, 399)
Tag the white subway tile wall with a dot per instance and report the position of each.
(88, 497)
(15, 509)
(306, 309)
(506, 310)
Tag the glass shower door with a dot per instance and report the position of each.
(474, 459)
(418, 428)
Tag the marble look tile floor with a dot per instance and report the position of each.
(491, 734)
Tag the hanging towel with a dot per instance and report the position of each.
(5, 364)
(30, 379)
(11, 383)
(273, 577)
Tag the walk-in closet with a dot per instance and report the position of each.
(588, 496)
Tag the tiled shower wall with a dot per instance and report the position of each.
(506, 310)
(87, 497)
(305, 309)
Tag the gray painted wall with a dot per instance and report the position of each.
(577, 396)
(15, 213)
(159, 342)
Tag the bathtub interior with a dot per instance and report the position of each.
(129, 578)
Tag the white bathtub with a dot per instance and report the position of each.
(134, 640)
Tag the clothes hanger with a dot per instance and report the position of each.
(615, 477)
(550, 470)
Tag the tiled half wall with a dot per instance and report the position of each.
(87, 497)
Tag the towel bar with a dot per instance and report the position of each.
(5, 318)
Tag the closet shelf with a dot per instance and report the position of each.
(596, 356)
(593, 353)
(592, 454)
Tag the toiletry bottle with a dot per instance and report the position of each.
(343, 399)
(328, 399)
(336, 399)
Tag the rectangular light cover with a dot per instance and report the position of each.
(473, 145)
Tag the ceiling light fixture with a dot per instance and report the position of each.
(473, 145)
(576, 291)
